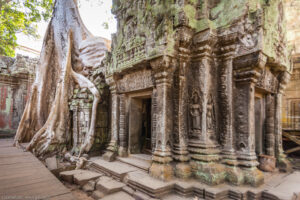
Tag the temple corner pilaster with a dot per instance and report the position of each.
(246, 78)
(161, 167)
(281, 161)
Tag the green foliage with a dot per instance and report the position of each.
(20, 16)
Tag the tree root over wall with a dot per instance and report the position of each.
(68, 49)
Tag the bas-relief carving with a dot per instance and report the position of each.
(135, 81)
(211, 118)
(241, 117)
(215, 104)
(196, 113)
(267, 81)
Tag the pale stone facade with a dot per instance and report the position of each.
(291, 100)
(212, 76)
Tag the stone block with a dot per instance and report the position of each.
(68, 175)
(234, 175)
(85, 176)
(161, 171)
(110, 156)
(267, 163)
(97, 195)
(140, 196)
(210, 173)
(118, 196)
(128, 190)
(253, 177)
(89, 186)
(183, 170)
(108, 185)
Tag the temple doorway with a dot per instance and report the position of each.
(259, 124)
(140, 125)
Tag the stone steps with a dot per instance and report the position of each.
(117, 170)
(139, 180)
(138, 162)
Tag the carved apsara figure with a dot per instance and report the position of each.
(195, 112)
(210, 115)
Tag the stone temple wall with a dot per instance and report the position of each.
(291, 100)
(214, 72)
(16, 77)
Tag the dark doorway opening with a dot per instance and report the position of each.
(146, 127)
(259, 125)
(140, 126)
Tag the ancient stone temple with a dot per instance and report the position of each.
(16, 77)
(198, 85)
(81, 105)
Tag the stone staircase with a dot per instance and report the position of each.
(120, 180)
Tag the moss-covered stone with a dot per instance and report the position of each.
(149, 27)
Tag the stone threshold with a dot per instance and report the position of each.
(140, 161)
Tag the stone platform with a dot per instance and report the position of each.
(277, 185)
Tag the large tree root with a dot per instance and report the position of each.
(46, 119)
(50, 133)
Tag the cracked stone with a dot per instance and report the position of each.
(109, 185)
(68, 175)
(85, 176)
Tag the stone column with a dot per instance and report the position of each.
(161, 158)
(122, 127)
(203, 146)
(154, 120)
(270, 121)
(282, 163)
(233, 173)
(180, 150)
(245, 124)
(180, 146)
(112, 148)
(75, 127)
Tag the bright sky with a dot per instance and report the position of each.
(93, 15)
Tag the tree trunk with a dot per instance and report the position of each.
(68, 49)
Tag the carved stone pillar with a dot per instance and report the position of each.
(233, 173)
(112, 148)
(154, 120)
(270, 122)
(122, 128)
(245, 124)
(203, 145)
(282, 163)
(75, 127)
(180, 147)
(162, 156)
